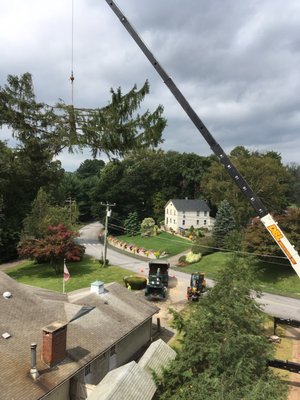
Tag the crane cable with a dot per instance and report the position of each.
(72, 119)
(72, 55)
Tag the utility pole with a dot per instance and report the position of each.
(69, 202)
(107, 215)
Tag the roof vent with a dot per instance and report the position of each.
(97, 287)
(7, 295)
(6, 335)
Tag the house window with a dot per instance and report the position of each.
(197, 222)
(198, 213)
(205, 213)
(170, 212)
(204, 222)
(167, 220)
(183, 222)
(87, 370)
(173, 221)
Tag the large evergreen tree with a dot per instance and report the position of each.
(224, 223)
(224, 350)
(114, 129)
(43, 131)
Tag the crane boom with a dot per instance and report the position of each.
(271, 225)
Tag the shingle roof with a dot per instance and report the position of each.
(23, 316)
(134, 381)
(129, 382)
(189, 205)
(157, 356)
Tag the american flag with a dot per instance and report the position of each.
(66, 272)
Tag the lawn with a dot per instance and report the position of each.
(82, 273)
(278, 278)
(171, 244)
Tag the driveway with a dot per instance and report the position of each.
(284, 307)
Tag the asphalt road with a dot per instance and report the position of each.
(284, 307)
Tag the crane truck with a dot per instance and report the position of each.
(265, 217)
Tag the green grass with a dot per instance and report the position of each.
(278, 278)
(82, 273)
(171, 244)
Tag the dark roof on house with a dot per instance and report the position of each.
(189, 205)
(117, 312)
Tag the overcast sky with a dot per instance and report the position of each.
(236, 62)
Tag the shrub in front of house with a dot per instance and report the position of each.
(196, 249)
(206, 245)
(135, 282)
(182, 261)
(193, 257)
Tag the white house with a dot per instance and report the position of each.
(182, 214)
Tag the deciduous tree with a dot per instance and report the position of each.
(57, 245)
(264, 172)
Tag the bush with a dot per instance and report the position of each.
(101, 262)
(182, 259)
(206, 245)
(192, 257)
(196, 249)
(135, 282)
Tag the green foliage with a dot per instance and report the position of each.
(147, 227)
(224, 350)
(135, 282)
(43, 214)
(224, 223)
(294, 187)
(196, 249)
(205, 245)
(234, 240)
(258, 240)
(192, 257)
(182, 259)
(264, 172)
(153, 178)
(132, 224)
(42, 132)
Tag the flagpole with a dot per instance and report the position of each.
(66, 276)
(64, 282)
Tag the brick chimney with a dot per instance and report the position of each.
(54, 343)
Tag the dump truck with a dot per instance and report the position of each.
(197, 286)
(160, 268)
(158, 279)
(155, 289)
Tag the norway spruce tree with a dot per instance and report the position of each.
(224, 349)
(132, 224)
(224, 223)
